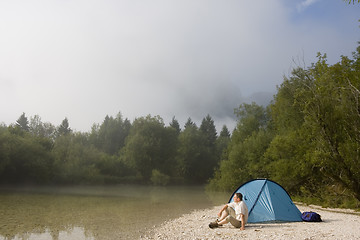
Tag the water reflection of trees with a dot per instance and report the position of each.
(100, 218)
(26, 214)
(110, 214)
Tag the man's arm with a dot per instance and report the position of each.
(242, 221)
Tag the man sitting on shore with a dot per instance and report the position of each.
(235, 212)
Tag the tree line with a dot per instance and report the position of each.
(307, 139)
(115, 151)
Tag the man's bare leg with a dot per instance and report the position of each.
(222, 220)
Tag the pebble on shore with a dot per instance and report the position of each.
(336, 224)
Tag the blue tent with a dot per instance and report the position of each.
(268, 201)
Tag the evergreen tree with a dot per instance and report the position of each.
(190, 123)
(175, 124)
(111, 134)
(208, 130)
(64, 128)
(209, 157)
(224, 132)
(189, 154)
(222, 142)
(23, 122)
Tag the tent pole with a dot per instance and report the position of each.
(257, 198)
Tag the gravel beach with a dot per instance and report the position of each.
(336, 224)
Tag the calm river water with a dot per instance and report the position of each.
(116, 212)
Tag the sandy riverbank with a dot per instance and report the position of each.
(337, 224)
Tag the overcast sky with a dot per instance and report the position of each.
(85, 59)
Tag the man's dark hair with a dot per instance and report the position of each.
(239, 195)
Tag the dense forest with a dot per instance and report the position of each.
(307, 139)
(116, 151)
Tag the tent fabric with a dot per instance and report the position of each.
(268, 201)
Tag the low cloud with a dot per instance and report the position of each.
(87, 59)
(305, 4)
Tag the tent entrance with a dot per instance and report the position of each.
(268, 201)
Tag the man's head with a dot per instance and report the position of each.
(238, 197)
